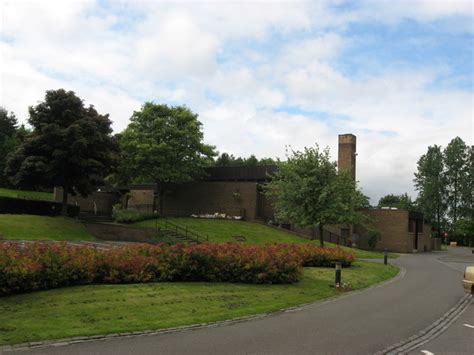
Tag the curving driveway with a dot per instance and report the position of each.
(361, 323)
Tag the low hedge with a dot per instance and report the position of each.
(131, 215)
(40, 266)
(36, 207)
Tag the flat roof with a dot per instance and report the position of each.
(224, 173)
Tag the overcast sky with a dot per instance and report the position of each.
(261, 75)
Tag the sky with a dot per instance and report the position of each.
(261, 75)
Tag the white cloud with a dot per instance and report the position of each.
(174, 46)
(422, 10)
(239, 65)
(320, 48)
(22, 85)
(453, 15)
(236, 128)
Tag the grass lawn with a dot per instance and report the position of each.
(255, 233)
(35, 195)
(102, 309)
(29, 227)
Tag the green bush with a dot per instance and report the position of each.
(131, 215)
(373, 238)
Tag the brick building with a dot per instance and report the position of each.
(237, 191)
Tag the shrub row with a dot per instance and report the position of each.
(43, 266)
(131, 215)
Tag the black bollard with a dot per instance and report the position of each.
(385, 256)
(338, 273)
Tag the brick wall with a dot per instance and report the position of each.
(141, 200)
(210, 197)
(435, 243)
(346, 153)
(103, 200)
(424, 239)
(394, 227)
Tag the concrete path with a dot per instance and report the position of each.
(362, 323)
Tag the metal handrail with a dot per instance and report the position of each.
(187, 233)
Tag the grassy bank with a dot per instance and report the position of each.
(254, 233)
(29, 227)
(102, 309)
(35, 195)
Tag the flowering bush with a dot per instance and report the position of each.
(43, 265)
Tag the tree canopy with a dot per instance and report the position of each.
(70, 146)
(455, 159)
(165, 145)
(308, 190)
(431, 185)
(226, 159)
(8, 140)
(402, 202)
(445, 184)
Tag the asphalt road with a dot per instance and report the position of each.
(458, 339)
(362, 323)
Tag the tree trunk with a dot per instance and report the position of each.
(438, 222)
(455, 204)
(321, 235)
(64, 202)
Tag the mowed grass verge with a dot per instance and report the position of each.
(35, 195)
(220, 231)
(106, 309)
(30, 227)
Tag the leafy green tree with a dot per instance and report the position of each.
(402, 202)
(455, 162)
(8, 140)
(430, 183)
(165, 145)
(465, 229)
(373, 237)
(308, 190)
(467, 186)
(71, 146)
(251, 161)
(8, 123)
(226, 159)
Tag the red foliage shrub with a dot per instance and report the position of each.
(43, 265)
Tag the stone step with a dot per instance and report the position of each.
(177, 236)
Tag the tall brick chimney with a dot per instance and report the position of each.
(347, 154)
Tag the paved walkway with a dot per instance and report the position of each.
(362, 323)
